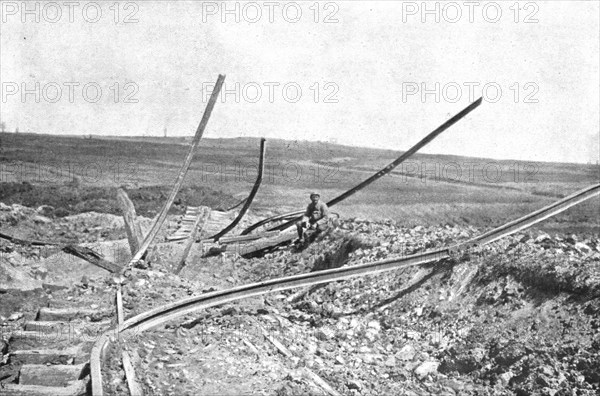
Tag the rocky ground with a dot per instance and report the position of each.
(519, 317)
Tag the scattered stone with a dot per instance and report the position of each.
(390, 362)
(141, 264)
(547, 370)
(45, 210)
(542, 238)
(12, 278)
(295, 376)
(140, 283)
(478, 354)
(406, 353)
(233, 310)
(354, 384)
(506, 377)
(572, 239)
(368, 358)
(15, 316)
(374, 325)
(426, 368)
(583, 248)
(324, 334)
(39, 273)
(41, 220)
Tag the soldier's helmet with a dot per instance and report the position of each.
(312, 194)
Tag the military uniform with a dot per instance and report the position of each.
(316, 214)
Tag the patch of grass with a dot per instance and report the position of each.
(225, 169)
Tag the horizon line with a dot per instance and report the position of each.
(117, 137)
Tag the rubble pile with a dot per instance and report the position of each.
(517, 317)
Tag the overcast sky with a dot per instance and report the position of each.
(362, 75)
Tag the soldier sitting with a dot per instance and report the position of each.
(316, 217)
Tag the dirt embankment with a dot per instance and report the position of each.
(74, 198)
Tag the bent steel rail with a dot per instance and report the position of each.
(160, 315)
(284, 216)
(247, 201)
(378, 174)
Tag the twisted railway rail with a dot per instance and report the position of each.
(291, 218)
(166, 313)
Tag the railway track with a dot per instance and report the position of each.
(49, 356)
(169, 312)
(215, 221)
(40, 359)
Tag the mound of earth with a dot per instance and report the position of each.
(12, 278)
(518, 317)
(74, 198)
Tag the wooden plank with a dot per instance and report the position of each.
(244, 238)
(84, 253)
(27, 242)
(203, 216)
(181, 175)
(133, 229)
(320, 382)
(311, 376)
(176, 238)
(280, 347)
(46, 326)
(92, 257)
(22, 340)
(45, 356)
(134, 387)
(53, 375)
(216, 215)
(77, 388)
(68, 314)
(282, 237)
(119, 303)
(250, 346)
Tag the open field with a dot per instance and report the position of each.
(76, 174)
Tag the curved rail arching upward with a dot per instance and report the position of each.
(160, 315)
(378, 174)
(248, 201)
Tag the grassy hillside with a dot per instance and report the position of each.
(427, 189)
